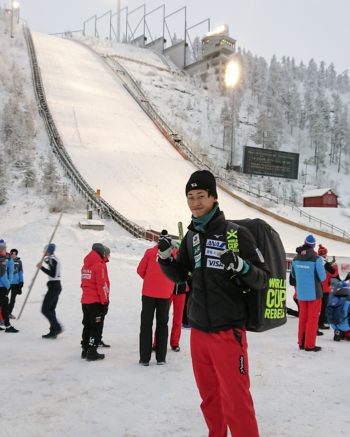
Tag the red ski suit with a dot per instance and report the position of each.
(94, 280)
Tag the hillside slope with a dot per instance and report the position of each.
(118, 149)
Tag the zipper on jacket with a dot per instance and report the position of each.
(204, 280)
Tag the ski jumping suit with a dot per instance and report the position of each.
(54, 289)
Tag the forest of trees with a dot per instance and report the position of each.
(21, 164)
(289, 100)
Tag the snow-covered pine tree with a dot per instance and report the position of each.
(50, 177)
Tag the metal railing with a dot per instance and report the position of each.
(85, 190)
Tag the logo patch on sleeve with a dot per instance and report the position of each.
(241, 365)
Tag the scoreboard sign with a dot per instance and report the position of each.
(269, 162)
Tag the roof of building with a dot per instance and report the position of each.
(318, 193)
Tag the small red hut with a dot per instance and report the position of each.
(322, 197)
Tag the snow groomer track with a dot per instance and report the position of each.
(96, 125)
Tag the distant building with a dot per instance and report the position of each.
(322, 197)
(218, 48)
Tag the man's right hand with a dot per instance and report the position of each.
(165, 246)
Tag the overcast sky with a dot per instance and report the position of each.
(302, 29)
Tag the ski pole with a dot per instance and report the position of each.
(37, 270)
(181, 231)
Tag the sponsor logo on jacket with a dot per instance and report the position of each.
(213, 252)
(216, 243)
(214, 264)
(86, 274)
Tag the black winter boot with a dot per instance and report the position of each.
(338, 335)
(93, 355)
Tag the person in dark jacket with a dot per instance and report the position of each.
(17, 280)
(308, 272)
(6, 276)
(54, 288)
(216, 309)
(94, 300)
(331, 269)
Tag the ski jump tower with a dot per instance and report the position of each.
(154, 30)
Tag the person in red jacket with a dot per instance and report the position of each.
(177, 300)
(156, 292)
(94, 301)
(331, 272)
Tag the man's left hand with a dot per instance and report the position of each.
(231, 261)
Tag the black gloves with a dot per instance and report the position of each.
(233, 262)
(165, 246)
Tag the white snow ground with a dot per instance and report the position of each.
(48, 390)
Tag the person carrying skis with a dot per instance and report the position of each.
(54, 288)
(17, 280)
(216, 309)
(94, 300)
(308, 272)
(6, 276)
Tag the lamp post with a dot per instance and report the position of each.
(232, 74)
(14, 6)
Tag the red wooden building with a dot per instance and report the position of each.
(323, 197)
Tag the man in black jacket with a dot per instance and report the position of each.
(216, 309)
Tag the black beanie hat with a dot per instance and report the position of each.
(99, 248)
(202, 180)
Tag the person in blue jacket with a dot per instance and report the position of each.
(6, 275)
(308, 271)
(17, 280)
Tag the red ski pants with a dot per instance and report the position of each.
(220, 365)
(178, 301)
(309, 312)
